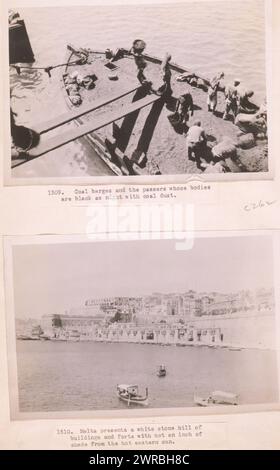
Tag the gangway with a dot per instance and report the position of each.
(64, 138)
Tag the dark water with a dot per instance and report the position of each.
(205, 37)
(69, 376)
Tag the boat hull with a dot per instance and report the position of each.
(134, 401)
(151, 133)
(200, 401)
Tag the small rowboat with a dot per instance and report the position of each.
(130, 394)
(217, 398)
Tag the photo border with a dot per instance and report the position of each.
(271, 88)
(16, 414)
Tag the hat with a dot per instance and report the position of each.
(236, 82)
(139, 45)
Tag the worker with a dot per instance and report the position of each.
(196, 141)
(184, 108)
(212, 96)
(231, 94)
(141, 65)
(166, 76)
(190, 78)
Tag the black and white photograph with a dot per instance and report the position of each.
(166, 90)
(140, 325)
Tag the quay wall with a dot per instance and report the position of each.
(256, 330)
(240, 330)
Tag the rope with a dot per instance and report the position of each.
(81, 61)
(18, 68)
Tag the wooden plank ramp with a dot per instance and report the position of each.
(64, 118)
(68, 136)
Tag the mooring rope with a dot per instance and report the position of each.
(81, 61)
(18, 68)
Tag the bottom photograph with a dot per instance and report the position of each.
(141, 324)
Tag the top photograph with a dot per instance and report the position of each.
(168, 91)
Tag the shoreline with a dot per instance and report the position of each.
(232, 347)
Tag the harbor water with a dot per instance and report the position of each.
(70, 376)
(226, 36)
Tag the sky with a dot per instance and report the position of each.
(52, 278)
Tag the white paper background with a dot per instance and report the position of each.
(29, 210)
